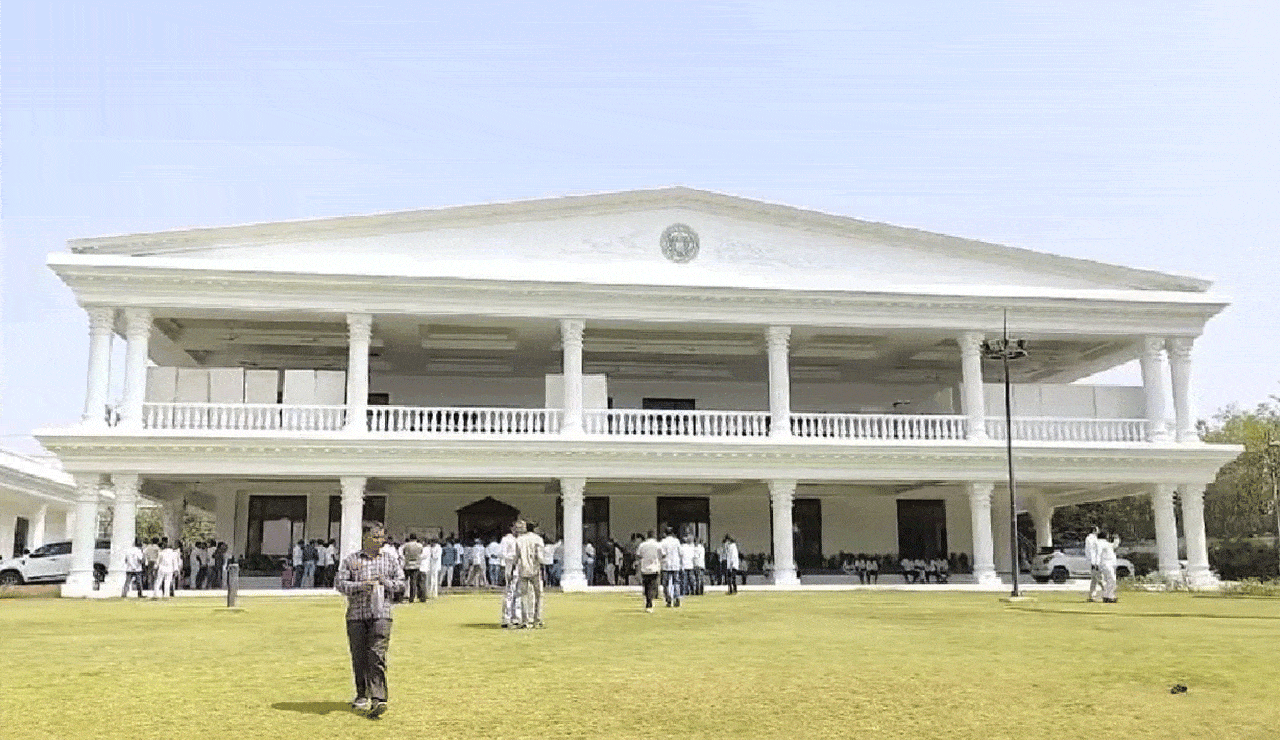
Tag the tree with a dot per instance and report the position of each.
(194, 525)
(1241, 501)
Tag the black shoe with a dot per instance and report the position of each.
(377, 708)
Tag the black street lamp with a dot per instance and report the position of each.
(1004, 350)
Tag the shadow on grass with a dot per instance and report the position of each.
(313, 707)
(482, 626)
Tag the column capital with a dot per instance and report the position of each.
(571, 331)
(1179, 348)
(137, 324)
(360, 326)
(782, 490)
(352, 486)
(980, 491)
(572, 490)
(970, 343)
(126, 483)
(102, 319)
(1152, 347)
(87, 487)
(778, 337)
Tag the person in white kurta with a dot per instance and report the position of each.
(512, 614)
(729, 555)
(168, 566)
(1107, 562)
(1095, 566)
(431, 566)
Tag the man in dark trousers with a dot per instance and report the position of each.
(369, 578)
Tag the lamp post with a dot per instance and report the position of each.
(1004, 350)
(1272, 456)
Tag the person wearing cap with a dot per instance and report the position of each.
(369, 578)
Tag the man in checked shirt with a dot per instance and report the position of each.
(369, 578)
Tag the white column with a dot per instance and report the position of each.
(972, 398)
(1180, 373)
(779, 339)
(360, 333)
(101, 321)
(1042, 515)
(571, 343)
(984, 569)
(1198, 573)
(124, 522)
(80, 579)
(782, 496)
(352, 514)
(571, 494)
(224, 517)
(39, 520)
(1166, 531)
(1153, 384)
(8, 533)
(172, 514)
(137, 332)
(1000, 533)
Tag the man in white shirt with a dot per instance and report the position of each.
(510, 586)
(686, 566)
(729, 556)
(431, 559)
(476, 565)
(411, 556)
(493, 557)
(1095, 566)
(133, 565)
(649, 564)
(168, 566)
(527, 572)
(1107, 564)
(589, 562)
(548, 557)
(671, 572)
(699, 567)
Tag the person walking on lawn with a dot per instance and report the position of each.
(369, 578)
(649, 564)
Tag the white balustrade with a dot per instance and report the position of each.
(662, 423)
(1059, 429)
(242, 417)
(878, 426)
(459, 420)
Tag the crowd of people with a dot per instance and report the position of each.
(917, 570)
(161, 567)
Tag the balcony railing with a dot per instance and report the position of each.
(1057, 429)
(624, 423)
(243, 417)
(878, 426)
(478, 420)
(652, 423)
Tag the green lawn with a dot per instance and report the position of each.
(757, 665)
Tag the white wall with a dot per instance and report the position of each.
(1074, 401)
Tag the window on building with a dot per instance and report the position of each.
(275, 523)
(922, 528)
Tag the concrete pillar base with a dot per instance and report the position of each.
(785, 578)
(113, 583)
(987, 578)
(78, 586)
(573, 582)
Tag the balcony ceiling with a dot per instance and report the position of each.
(410, 345)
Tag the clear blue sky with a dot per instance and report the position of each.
(1138, 133)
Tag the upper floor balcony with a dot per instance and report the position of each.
(199, 418)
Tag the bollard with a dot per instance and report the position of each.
(233, 583)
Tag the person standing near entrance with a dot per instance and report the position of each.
(133, 564)
(168, 566)
(432, 552)
(671, 572)
(369, 577)
(528, 574)
(150, 554)
(729, 556)
(649, 565)
(1107, 563)
(411, 554)
(1095, 565)
(511, 616)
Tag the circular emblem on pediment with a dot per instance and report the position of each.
(679, 243)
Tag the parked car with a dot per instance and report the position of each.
(1057, 564)
(51, 563)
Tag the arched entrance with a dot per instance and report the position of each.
(487, 519)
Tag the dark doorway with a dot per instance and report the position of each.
(922, 528)
(21, 529)
(806, 533)
(686, 515)
(275, 523)
(488, 519)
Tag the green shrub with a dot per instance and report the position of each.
(1239, 559)
(1252, 587)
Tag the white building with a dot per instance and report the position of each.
(37, 503)
(625, 360)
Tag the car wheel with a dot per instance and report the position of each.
(1060, 575)
(99, 572)
(1122, 572)
(10, 578)
(1041, 579)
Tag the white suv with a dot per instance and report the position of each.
(1060, 563)
(51, 563)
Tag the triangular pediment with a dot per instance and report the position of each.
(712, 240)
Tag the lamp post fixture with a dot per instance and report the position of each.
(1005, 350)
